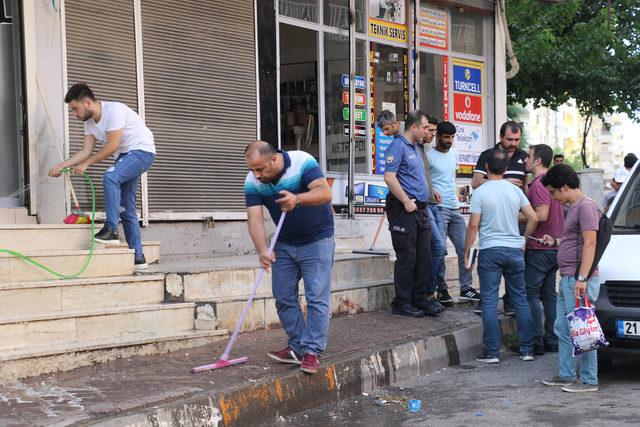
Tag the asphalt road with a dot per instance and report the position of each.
(510, 393)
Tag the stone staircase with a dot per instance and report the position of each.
(49, 325)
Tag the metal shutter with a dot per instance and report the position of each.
(200, 101)
(488, 5)
(101, 53)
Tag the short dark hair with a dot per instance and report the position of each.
(561, 175)
(432, 120)
(414, 118)
(497, 161)
(263, 148)
(542, 152)
(446, 128)
(385, 118)
(630, 160)
(513, 126)
(78, 92)
(558, 156)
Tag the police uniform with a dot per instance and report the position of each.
(410, 232)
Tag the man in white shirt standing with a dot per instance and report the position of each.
(443, 162)
(124, 135)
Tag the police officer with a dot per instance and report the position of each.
(409, 220)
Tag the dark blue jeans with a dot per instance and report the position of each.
(493, 263)
(540, 279)
(120, 184)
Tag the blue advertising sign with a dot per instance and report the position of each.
(359, 81)
(382, 142)
(467, 79)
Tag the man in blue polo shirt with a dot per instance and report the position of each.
(292, 182)
(409, 220)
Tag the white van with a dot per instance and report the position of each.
(618, 305)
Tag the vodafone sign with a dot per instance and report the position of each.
(467, 108)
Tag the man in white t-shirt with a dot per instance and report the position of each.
(124, 135)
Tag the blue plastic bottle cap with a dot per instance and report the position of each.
(414, 405)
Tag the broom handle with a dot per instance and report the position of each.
(378, 231)
(55, 141)
(232, 340)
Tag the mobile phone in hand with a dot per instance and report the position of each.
(541, 241)
(473, 254)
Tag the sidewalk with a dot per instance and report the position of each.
(366, 351)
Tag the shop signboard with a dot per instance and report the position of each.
(382, 141)
(433, 28)
(360, 114)
(359, 130)
(469, 143)
(467, 79)
(445, 87)
(359, 81)
(388, 20)
(467, 108)
(361, 98)
(369, 195)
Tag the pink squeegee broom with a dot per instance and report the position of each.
(224, 361)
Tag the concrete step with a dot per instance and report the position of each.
(346, 299)
(347, 244)
(52, 296)
(51, 358)
(53, 237)
(94, 325)
(105, 262)
(227, 277)
(16, 216)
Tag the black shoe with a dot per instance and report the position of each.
(444, 297)
(431, 308)
(140, 264)
(477, 309)
(538, 350)
(469, 295)
(407, 310)
(551, 348)
(107, 236)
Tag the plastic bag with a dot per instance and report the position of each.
(585, 330)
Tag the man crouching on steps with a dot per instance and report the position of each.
(292, 182)
(124, 135)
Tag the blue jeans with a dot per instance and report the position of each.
(120, 184)
(312, 262)
(438, 246)
(566, 304)
(540, 279)
(453, 225)
(493, 263)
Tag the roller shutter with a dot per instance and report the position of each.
(200, 101)
(100, 52)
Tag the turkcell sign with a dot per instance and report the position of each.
(467, 79)
(359, 81)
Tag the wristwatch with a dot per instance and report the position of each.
(581, 278)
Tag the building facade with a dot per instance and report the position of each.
(210, 77)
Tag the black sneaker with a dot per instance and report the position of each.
(140, 264)
(407, 310)
(488, 358)
(431, 308)
(444, 298)
(107, 236)
(469, 295)
(538, 350)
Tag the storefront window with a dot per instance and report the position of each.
(299, 89)
(336, 14)
(304, 10)
(390, 91)
(467, 32)
(431, 95)
(336, 69)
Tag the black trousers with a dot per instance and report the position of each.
(411, 239)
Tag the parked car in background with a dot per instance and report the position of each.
(618, 306)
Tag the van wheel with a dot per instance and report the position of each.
(605, 365)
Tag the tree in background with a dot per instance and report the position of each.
(577, 49)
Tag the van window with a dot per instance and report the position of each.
(626, 215)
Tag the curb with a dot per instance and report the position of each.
(263, 402)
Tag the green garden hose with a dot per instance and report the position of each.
(89, 257)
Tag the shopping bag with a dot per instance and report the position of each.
(586, 333)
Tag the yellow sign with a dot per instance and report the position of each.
(388, 30)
